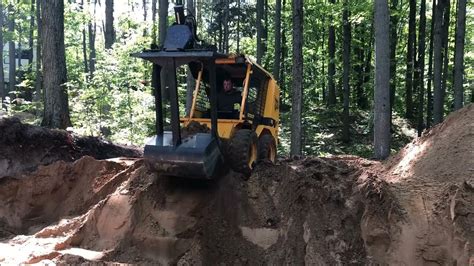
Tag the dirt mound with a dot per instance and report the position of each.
(24, 147)
(120, 212)
(432, 180)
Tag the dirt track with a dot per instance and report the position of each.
(416, 208)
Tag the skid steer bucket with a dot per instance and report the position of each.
(196, 157)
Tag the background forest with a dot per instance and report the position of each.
(109, 92)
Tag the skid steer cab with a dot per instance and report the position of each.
(239, 136)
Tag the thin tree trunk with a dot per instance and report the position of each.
(459, 55)
(31, 36)
(39, 57)
(238, 26)
(84, 45)
(394, 19)
(297, 77)
(145, 15)
(429, 96)
(438, 62)
(284, 49)
(420, 66)
(56, 110)
(382, 81)
(259, 31)
(277, 56)
(92, 34)
(445, 37)
(346, 57)
(410, 61)
(190, 81)
(11, 50)
(332, 63)
(109, 24)
(163, 20)
(153, 19)
(2, 73)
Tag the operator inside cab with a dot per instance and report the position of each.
(228, 100)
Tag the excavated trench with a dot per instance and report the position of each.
(416, 208)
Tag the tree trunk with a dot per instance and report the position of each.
(284, 49)
(259, 31)
(382, 81)
(346, 57)
(226, 27)
(153, 19)
(84, 45)
(163, 20)
(11, 50)
(420, 67)
(332, 63)
(445, 45)
(56, 111)
(109, 24)
(2, 73)
(429, 97)
(190, 81)
(39, 58)
(277, 56)
(92, 33)
(438, 62)
(410, 61)
(459, 55)
(31, 36)
(238, 26)
(394, 19)
(297, 77)
(145, 15)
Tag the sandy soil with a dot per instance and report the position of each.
(417, 208)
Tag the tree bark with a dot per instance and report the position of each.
(277, 56)
(445, 45)
(2, 73)
(190, 81)
(56, 111)
(284, 50)
(420, 67)
(84, 45)
(109, 24)
(11, 50)
(394, 19)
(153, 19)
(410, 61)
(382, 81)
(459, 55)
(438, 93)
(259, 31)
(429, 96)
(31, 36)
(297, 77)
(39, 57)
(332, 63)
(346, 57)
(163, 20)
(92, 34)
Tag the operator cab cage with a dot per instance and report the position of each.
(209, 68)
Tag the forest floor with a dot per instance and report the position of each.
(59, 204)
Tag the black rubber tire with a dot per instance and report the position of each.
(266, 148)
(240, 151)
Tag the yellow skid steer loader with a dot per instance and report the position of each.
(238, 138)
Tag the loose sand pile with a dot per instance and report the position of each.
(412, 209)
